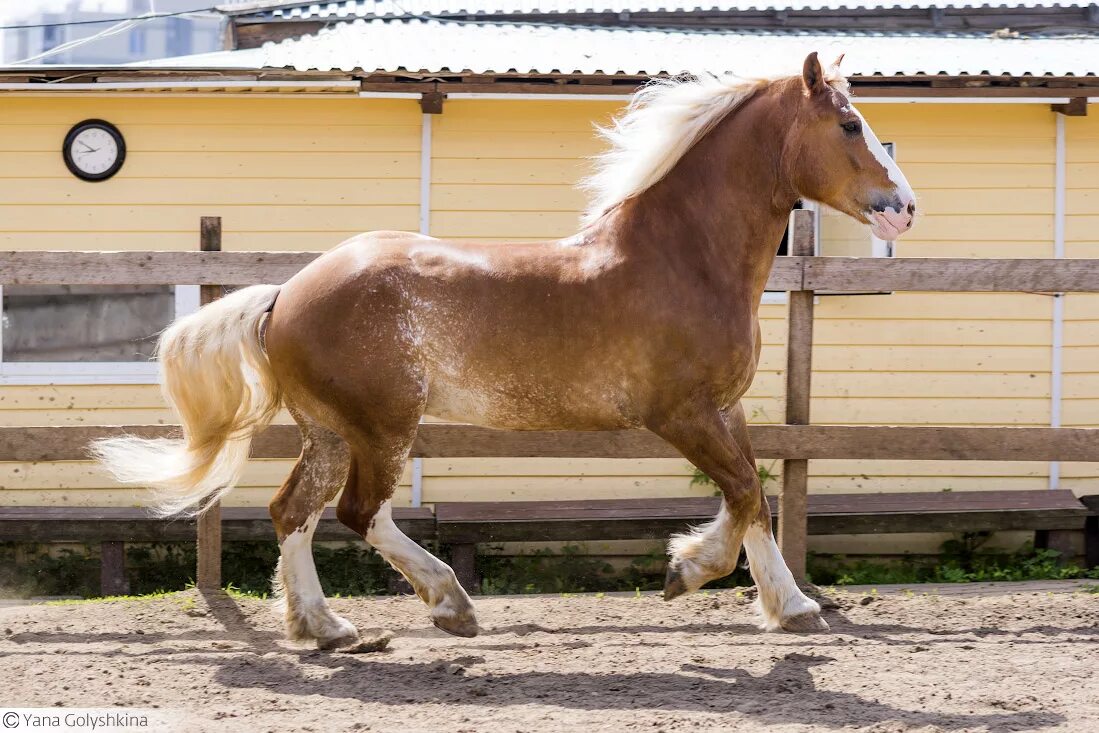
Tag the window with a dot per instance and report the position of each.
(85, 333)
(178, 42)
(137, 42)
(23, 44)
(838, 235)
(52, 35)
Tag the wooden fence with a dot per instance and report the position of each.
(795, 442)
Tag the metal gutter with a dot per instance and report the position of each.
(425, 228)
(1056, 370)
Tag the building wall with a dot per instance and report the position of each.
(984, 175)
(284, 174)
(292, 174)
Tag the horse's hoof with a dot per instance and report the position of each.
(674, 586)
(337, 642)
(464, 625)
(804, 623)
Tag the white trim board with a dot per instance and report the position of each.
(426, 154)
(347, 86)
(1057, 376)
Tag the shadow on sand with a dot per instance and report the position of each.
(787, 693)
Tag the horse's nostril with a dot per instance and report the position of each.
(911, 208)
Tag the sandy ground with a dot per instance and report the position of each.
(958, 659)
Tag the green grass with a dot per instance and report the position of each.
(959, 562)
(156, 596)
(161, 571)
(247, 567)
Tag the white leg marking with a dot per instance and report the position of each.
(707, 552)
(432, 579)
(307, 612)
(779, 596)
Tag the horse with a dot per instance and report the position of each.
(646, 318)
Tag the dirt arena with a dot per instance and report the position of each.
(964, 658)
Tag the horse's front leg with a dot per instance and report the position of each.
(717, 443)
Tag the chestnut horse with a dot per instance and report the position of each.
(647, 318)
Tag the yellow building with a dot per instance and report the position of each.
(295, 154)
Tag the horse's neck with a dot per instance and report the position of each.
(721, 211)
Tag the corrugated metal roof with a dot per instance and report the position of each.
(434, 46)
(350, 9)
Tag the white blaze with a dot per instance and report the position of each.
(890, 224)
(904, 191)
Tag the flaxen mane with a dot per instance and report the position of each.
(662, 122)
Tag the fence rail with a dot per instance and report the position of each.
(800, 273)
(788, 442)
(794, 443)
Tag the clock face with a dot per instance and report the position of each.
(94, 150)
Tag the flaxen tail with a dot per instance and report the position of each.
(215, 375)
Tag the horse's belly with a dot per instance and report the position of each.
(527, 407)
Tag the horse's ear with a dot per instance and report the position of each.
(838, 61)
(812, 75)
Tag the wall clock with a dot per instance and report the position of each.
(94, 150)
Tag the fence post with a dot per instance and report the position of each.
(208, 573)
(793, 528)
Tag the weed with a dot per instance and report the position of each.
(959, 563)
(159, 568)
(353, 570)
(766, 475)
(544, 571)
(147, 597)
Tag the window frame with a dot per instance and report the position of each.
(878, 247)
(43, 373)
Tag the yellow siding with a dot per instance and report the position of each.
(305, 173)
(284, 174)
(984, 176)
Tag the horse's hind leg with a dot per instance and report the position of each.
(376, 467)
(317, 477)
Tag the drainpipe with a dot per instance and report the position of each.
(425, 228)
(1057, 361)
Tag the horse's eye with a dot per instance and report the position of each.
(852, 127)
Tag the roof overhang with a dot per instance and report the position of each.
(254, 24)
(198, 80)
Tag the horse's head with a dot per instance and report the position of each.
(836, 159)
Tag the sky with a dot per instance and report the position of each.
(12, 11)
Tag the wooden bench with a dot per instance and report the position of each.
(112, 528)
(1054, 515)
(1091, 531)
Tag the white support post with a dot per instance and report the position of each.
(425, 228)
(1056, 370)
